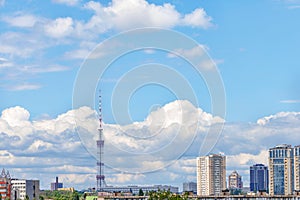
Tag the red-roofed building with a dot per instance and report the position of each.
(5, 185)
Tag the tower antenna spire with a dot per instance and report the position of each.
(100, 150)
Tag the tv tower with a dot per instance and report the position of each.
(100, 147)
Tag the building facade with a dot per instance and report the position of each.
(235, 181)
(211, 175)
(259, 178)
(22, 188)
(297, 168)
(189, 187)
(5, 185)
(281, 162)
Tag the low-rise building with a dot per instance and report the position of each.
(22, 188)
(189, 187)
(135, 189)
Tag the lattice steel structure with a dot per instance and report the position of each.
(100, 152)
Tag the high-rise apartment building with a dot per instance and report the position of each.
(235, 181)
(297, 168)
(211, 174)
(281, 166)
(259, 178)
(22, 188)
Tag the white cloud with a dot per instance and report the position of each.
(2, 2)
(60, 27)
(44, 147)
(15, 116)
(4, 63)
(290, 101)
(133, 13)
(246, 159)
(280, 118)
(21, 20)
(198, 56)
(122, 178)
(24, 86)
(13, 44)
(78, 54)
(67, 2)
(198, 18)
(44, 69)
(3, 60)
(39, 146)
(122, 15)
(197, 51)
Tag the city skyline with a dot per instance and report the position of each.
(43, 46)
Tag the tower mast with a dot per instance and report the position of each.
(100, 151)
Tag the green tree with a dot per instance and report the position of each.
(75, 196)
(26, 197)
(141, 192)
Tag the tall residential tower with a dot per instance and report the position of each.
(281, 165)
(259, 178)
(297, 167)
(235, 181)
(211, 174)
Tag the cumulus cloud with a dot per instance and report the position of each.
(198, 18)
(288, 118)
(44, 147)
(121, 14)
(15, 116)
(60, 27)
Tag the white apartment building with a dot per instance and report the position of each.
(297, 168)
(211, 175)
(22, 187)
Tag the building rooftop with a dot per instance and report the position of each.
(282, 146)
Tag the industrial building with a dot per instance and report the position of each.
(56, 185)
(211, 174)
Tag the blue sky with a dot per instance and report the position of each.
(255, 45)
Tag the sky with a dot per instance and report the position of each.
(235, 91)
